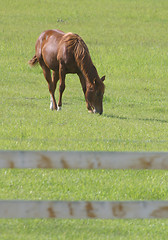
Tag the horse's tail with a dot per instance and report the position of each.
(33, 61)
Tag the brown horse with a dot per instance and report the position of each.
(67, 53)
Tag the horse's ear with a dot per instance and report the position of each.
(103, 78)
(94, 81)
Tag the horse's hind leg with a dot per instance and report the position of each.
(62, 84)
(55, 78)
(51, 84)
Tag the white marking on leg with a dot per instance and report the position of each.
(58, 108)
(51, 103)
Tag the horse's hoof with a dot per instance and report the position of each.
(90, 111)
(58, 108)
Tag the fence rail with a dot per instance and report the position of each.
(83, 209)
(84, 160)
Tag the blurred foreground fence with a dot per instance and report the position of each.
(83, 209)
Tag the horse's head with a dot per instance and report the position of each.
(94, 95)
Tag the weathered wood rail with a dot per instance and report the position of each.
(84, 160)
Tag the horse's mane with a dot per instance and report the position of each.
(82, 56)
(75, 42)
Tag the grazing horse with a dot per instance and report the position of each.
(65, 53)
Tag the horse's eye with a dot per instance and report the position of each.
(98, 94)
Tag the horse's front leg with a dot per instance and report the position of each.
(83, 84)
(62, 84)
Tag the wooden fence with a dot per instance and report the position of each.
(83, 209)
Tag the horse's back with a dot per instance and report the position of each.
(55, 46)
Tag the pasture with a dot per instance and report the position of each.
(127, 42)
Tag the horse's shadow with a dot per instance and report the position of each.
(140, 119)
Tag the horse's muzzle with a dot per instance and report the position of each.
(96, 111)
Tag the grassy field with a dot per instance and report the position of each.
(127, 41)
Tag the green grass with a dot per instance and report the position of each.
(127, 41)
(84, 184)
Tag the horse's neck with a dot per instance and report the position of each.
(90, 73)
